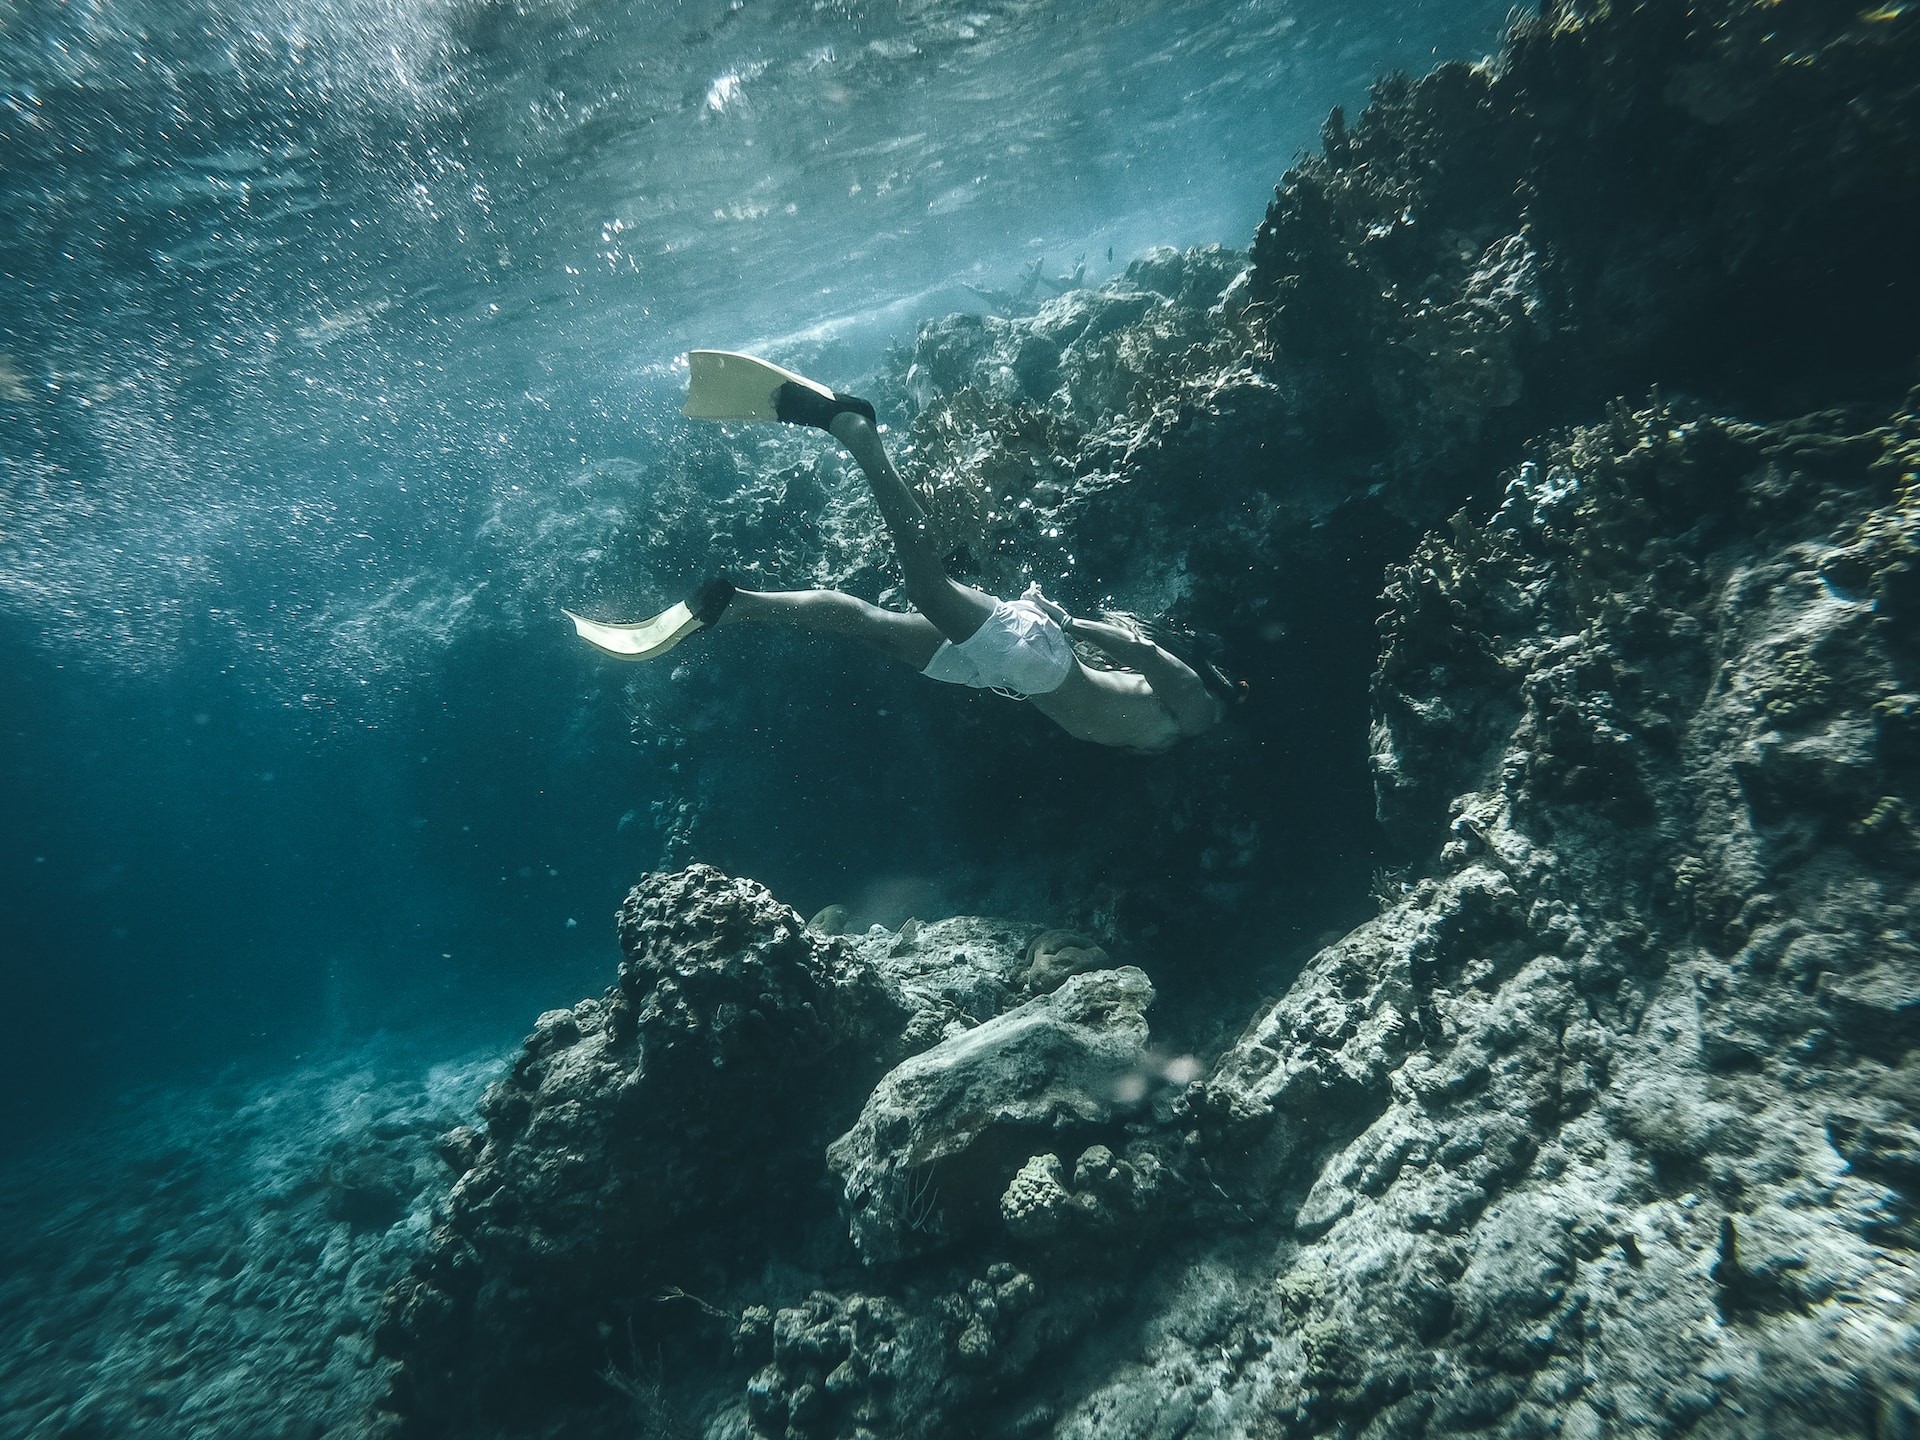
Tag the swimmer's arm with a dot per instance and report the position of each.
(1173, 682)
(1122, 644)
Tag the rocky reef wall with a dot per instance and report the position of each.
(1553, 472)
(1685, 195)
(1569, 1139)
(1710, 199)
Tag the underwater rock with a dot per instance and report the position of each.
(861, 1364)
(693, 1099)
(1035, 1203)
(944, 1132)
(1598, 1119)
(1013, 361)
(1053, 955)
(1623, 196)
(1102, 1202)
(668, 1143)
(1196, 277)
(829, 1362)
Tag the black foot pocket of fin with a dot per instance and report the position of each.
(710, 601)
(798, 405)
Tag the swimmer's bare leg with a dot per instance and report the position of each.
(904, 636)
(956, 610)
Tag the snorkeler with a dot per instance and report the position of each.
(1021, 648)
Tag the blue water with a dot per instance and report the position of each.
(332, 337)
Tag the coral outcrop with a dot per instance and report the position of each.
(619, 1192)
(1680, 193)
(637, 1141)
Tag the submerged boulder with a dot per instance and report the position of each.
(655, 1166)
(942, 1135)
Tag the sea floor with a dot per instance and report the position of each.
(211, 1263)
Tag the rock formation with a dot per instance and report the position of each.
(1605, 1122)
(669, 1142)
(925, 1162)
(1566, 1139)
(638, 1142)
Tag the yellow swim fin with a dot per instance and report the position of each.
(724, 386)
(664, 631)
(642, 641)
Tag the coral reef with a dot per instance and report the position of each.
(618, 1195)
(1604, 1123)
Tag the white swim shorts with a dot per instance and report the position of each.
(1020, 651)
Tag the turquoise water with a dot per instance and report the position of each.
(338, 347)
